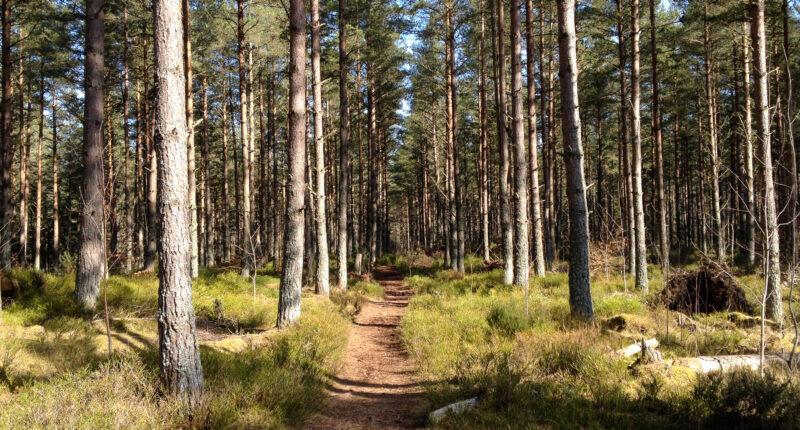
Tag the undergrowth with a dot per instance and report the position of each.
(533, 366)
(55, 370)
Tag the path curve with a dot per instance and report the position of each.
(376, 386)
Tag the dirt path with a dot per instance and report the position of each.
(376, 387)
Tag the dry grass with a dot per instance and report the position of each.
(55, 370)
(471, 336)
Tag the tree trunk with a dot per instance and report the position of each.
(112, 222)
(533, 147)
(37, 245)
(658, 146)
(344, 146)
(152, 174)
(323, 284)
(502, 140)
(54, 156)
(712, 139)
(208, 238)
(292, 268)
(483, 179)
(6, 149)
(92, 237)
(273, 190)
(140, 180)
(628, 214)
(262, 168)
(246, 239)
(455, 207)
(24, 152)
(580, 294)
(180, 357)
(521, 259)
(641, 244)
(226, 227)
(774, 309)
(372, 217)
(187, 64)
(129, 206)
(549, 237)
(750, 224)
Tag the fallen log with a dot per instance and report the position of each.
(725, 363)
(636, 348)
(455, 408)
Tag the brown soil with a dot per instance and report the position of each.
(709, 288)
(376, 386)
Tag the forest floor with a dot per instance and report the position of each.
(376, 386)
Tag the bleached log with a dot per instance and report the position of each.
(725, 363)
(636, 348)
(455, 408)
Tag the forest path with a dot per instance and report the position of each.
(376, 386)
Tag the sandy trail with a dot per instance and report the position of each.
(376, 386)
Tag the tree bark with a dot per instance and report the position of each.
(24, 152)
(54, 156)
(533, 147)
(502, 140)
(129, 206)
(91, 258)
(247, 242)
(180, 358)
(659, 146)
(547, 142)
(372, 213)
(187, 64)
(580, 295)
(750, 224)
(344, 147)
(712, 138)
(625, 143)
(152, 174)
(226, 227)
(37, 244)
(521, 251)
(774, 307)
(483, 178)
(208, 238)
(6, 148)
(292, 268)
(140, 179)
(641, 243)
(455, 213)
(323, 270)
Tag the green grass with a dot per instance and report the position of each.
(55, 370)
(469, 335)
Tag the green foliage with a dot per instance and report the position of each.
(548, 370)
(617, 304)
(506, 319)
(744, 399)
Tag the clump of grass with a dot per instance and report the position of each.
(552, 280)
(507, 319)
(744, 399)
(617, 304)
(369, 289)
(351, 301)
(281, 383)
(118, 394)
